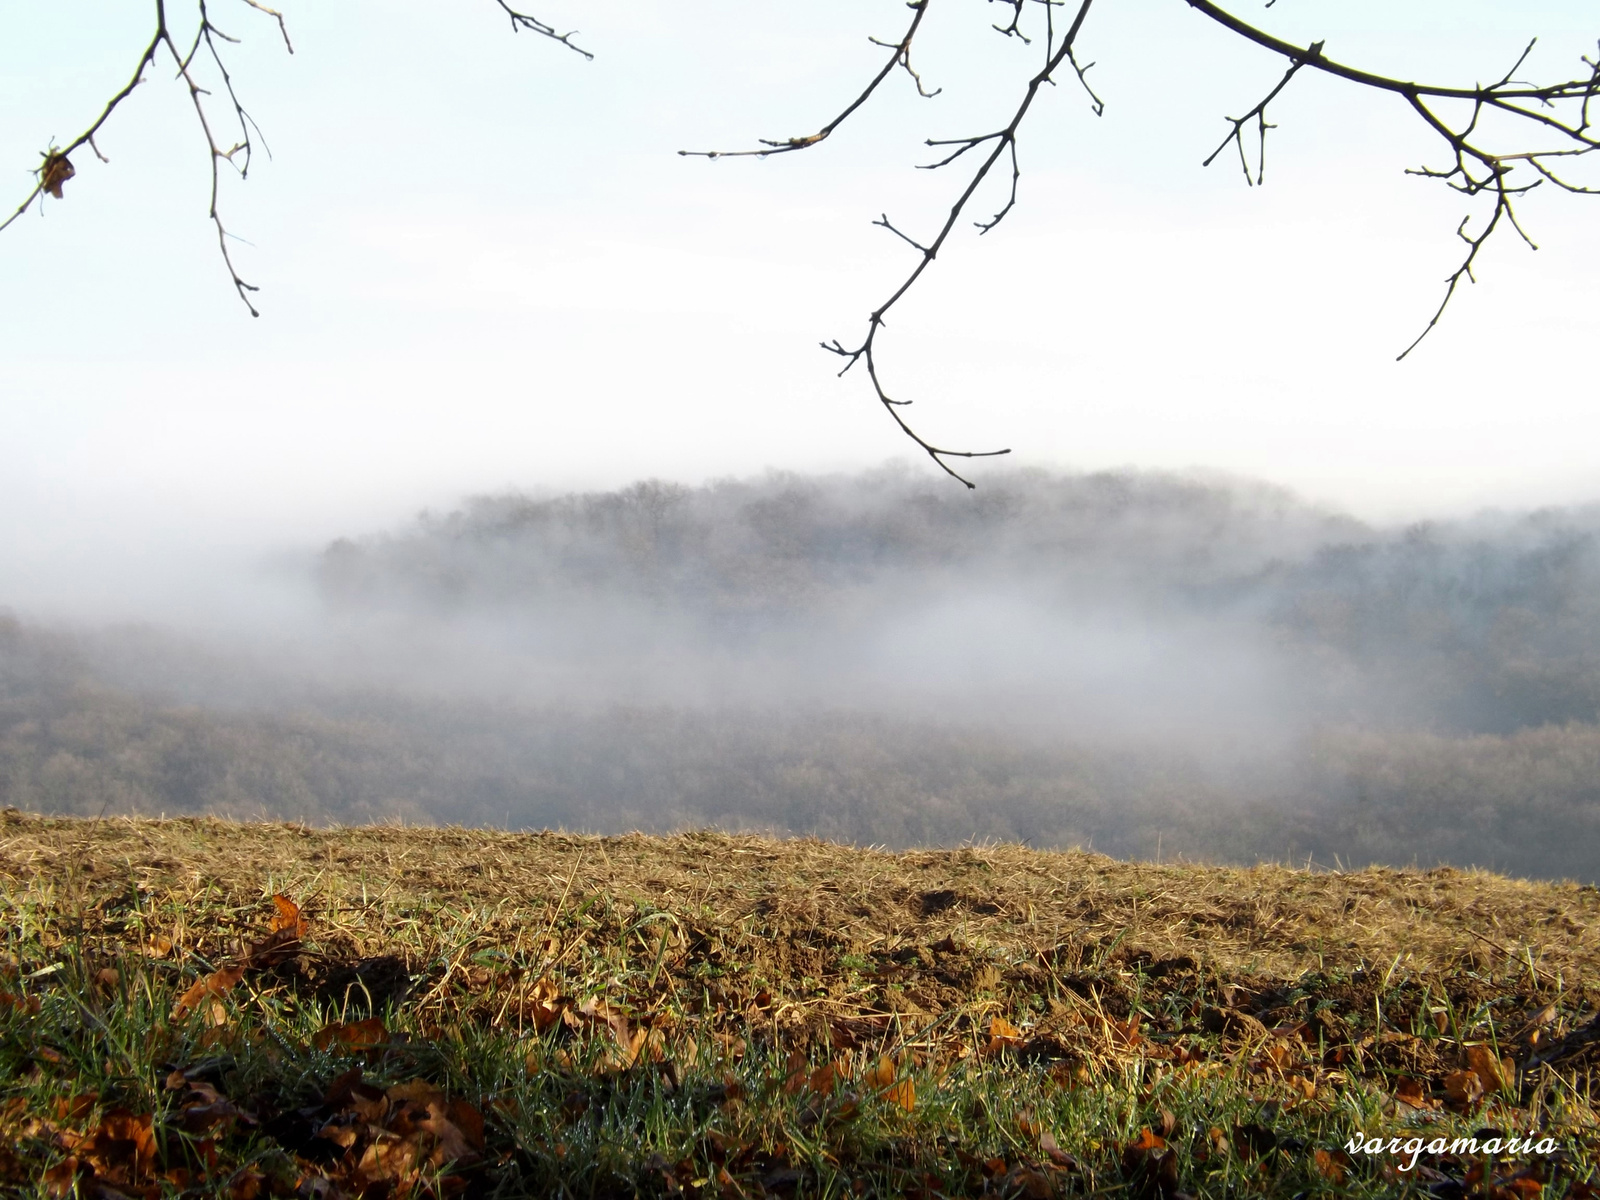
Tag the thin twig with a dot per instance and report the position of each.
(522, 20)
(900, 56)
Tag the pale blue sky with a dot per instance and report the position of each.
(483, 265)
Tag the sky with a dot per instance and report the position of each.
(483, 265)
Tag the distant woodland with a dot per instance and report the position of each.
(1145, 664)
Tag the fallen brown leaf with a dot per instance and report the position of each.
(1023, 1180)
(288, 918)
(1534, 1029)
(349, 1038)
(61, 1180)
(158, 946)
(1411, 1092)
(1464, 1088)
(1124, 1034)
(1275, 1056)
(1003, 1035)
(74, 1108)
(27, 1004)
(796, 1076)
(595, 1012)
(123, 1148)
(1151, 1167)
(1495, 1074)
(217, 983)
(1054, 1152)
(1524, 1187)
(1147, 1141)
(1331, 1165)
(824, 1079)
(881, 1074)
(469, 1120)
(391, 1160)
(544, 1005)
(903, 1094)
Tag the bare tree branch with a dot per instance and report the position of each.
(56, 168)
(207, 35)
(900, 56)
(1082, 73)
(1259, 112)
(278, 16)
(60, 154)
(57, 165)
(1557, 114)
(1004, 142)
(521, 21)
(1558, 110)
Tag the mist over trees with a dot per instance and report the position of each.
(1137, 662)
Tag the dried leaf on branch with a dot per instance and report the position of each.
(54, 172)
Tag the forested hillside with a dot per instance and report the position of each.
(1142, 663)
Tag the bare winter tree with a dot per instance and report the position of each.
(1498, 141)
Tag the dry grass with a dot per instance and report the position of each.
(1267, 920)
(1145, 994)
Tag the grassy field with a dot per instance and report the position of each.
(195, 1007)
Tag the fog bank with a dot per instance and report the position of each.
(1124, 660)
